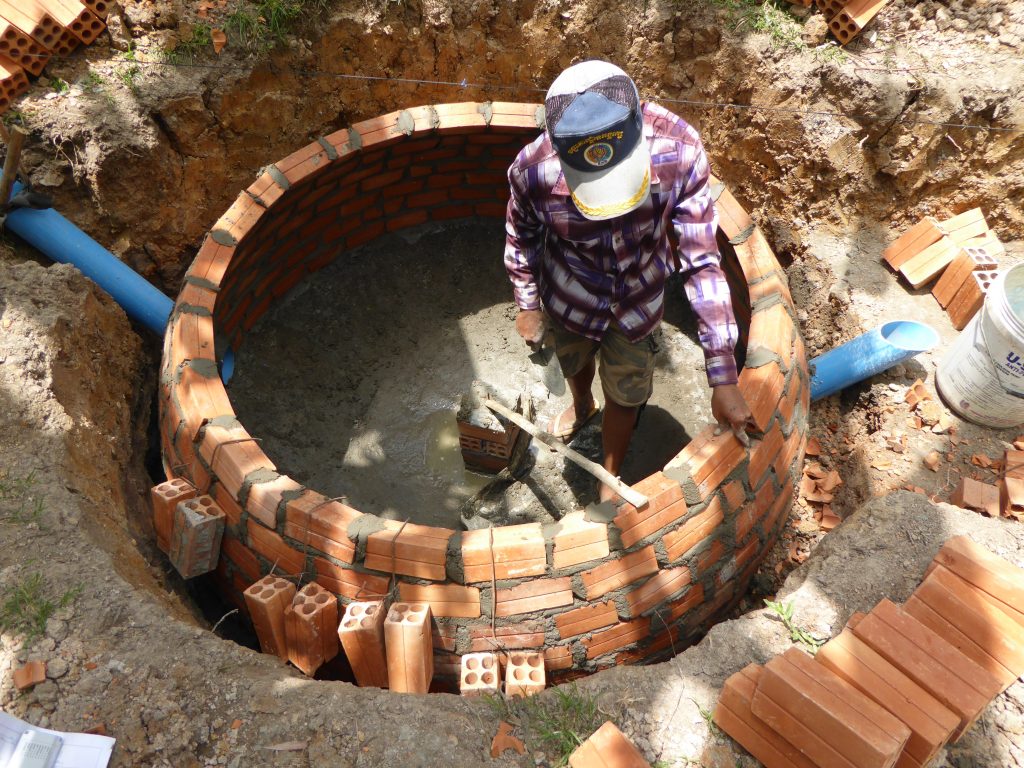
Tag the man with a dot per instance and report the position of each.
(587, 248)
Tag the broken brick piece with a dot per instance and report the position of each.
(1011, 497)
(267, 601)
(976, 495)
(311, 628)
(932, 460)
(165, 498)
(30, 674)
(408, 631)
(480, 674)
(524, 674)
(504, 740)
(361, 633)
(196, 536)
(607, 747)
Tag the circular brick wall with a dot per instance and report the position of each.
(591, 593)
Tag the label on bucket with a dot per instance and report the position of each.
(968, 381)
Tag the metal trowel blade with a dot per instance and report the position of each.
(551, 371)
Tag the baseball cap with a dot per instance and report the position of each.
(593, 117)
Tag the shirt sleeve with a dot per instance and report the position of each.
(695, 223)
(524, 240)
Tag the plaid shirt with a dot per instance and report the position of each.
(588, 273)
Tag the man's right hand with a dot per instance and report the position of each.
(530, 325)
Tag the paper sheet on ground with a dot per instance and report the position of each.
(80, 750)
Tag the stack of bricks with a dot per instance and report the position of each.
(1005, 499)
(847, 18)
(587, 592)
(896, 684)
(33, 30)
(959, 255)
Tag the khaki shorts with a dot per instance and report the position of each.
(626, 368)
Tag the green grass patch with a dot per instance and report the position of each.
(188, 49)
(797, 634)
(767, 16)
(259, 26)
(556, 723)
(26, 607)
(59, 85)
(18, 503)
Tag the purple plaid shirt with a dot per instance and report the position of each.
(588, 273)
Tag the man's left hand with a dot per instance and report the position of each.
(731, 411)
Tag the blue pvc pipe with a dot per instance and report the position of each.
(59, 239)
(868, 354)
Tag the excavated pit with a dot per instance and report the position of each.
(590, 587)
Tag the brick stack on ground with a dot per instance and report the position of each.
(31, 31)
(958, 257)
(588, 594)
(898, 683)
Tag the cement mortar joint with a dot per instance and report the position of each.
(755, 262)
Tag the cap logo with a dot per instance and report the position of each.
(594, 139)
(599, 155)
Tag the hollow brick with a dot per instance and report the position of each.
(480, 673)
(267, 600)
(311, 628)
(361, 633)
(22, 49)
(195, 536)
(242, 557)
(315, 520)
(762, 388)
(988, 572)
(976, 495)
(557, 657)
(165, 498)
(410, 652)
(772, 329)
(665, 505)
(524, 674)
(927, 265)
(578, 541)
(528, 635)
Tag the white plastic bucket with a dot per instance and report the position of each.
(982, 376)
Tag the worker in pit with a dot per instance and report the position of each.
(588, 253)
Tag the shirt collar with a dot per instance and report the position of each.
(562, 189)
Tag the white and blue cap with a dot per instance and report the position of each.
(593, 117)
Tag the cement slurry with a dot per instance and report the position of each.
(352, 380)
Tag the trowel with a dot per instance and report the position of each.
(543, 356)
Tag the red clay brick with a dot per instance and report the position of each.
(411, 550)
(347, 582)
(516, 551)
(445, 599)
(535, 595)
(165, 498)
(912, 242)
(578, 541)
(665, 506)
(622, 634)
(930, 723)
(505, 638)
(619, 573)
(976, 495)
(314, 520)
(710, 459)
(267, 600)
(752, 513)
(480, 673)
(264, 499)
(607, 748)
(988, 572)
(733, 715)
(586, 619)
(693, 531)
(557, 657)
(361, 633)
(311, 628)
(243, 558)
(762, 388)
(772, 329)
(410, 651)
(273, 548)
(657, 589)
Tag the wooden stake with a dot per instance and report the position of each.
(633, 497)
(14, 144)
